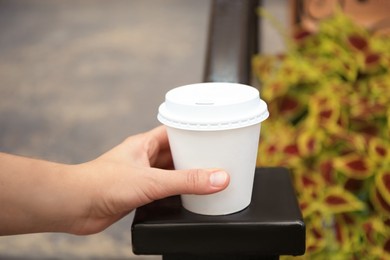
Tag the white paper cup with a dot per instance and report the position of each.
(215, 125)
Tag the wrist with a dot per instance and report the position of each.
(83, 216)
(37, 196)
(76, 199)
(56, 198)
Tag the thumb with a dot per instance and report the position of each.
(193, 181)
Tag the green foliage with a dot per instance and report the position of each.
(328, 97)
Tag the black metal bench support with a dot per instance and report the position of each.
(271, 226)
(232, 40)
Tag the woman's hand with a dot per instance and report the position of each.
(41, 196)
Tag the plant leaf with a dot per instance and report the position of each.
(338, 200)
(379, 202)
(382, 182)
(354, 165)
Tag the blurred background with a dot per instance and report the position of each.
(77, 77)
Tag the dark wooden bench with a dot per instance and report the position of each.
(272, 225)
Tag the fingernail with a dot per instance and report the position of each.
(218, 179)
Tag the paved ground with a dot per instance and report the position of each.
(77, 77)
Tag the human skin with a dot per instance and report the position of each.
(43, 196)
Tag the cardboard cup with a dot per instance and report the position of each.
(215, 125)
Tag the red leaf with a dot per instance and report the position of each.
(339, 234)
(310, 144)
(291, 149)
(371, 59)
(381, 151)
(335, 200)
(382, 201)
(303, 205)
(326, 168)
(383, 186)
(339, 200)
(386, 181)
(368, 229)
(364, 127)
(306, 181)
(271, 149)
(301, 34)
(288, 104)
(357, 165)
(317, 234)
(358, 42)
(326, 114)
(312, 248)
(386, 247)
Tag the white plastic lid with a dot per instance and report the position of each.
(212, 106)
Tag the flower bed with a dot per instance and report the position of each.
(329, 97)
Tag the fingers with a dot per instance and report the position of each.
(160, 135)
(194, 181)
(164, 183)
(164, 160)
(159, 152)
